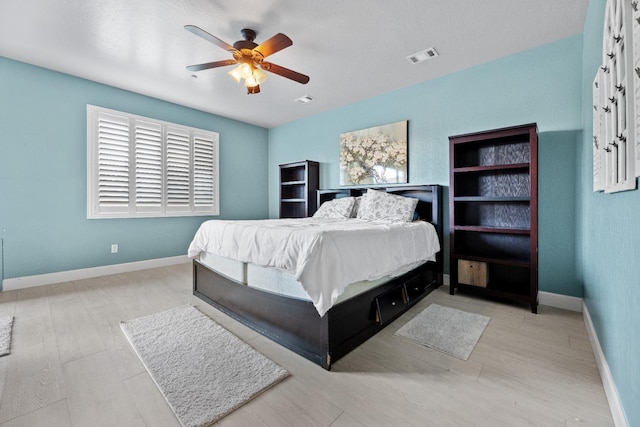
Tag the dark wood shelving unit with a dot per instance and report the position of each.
(492, 199)
(492, 229)
(493, 214)
(299, 182)
(472, 169)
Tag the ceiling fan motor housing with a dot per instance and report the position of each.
(249, 36)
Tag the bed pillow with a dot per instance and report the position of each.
(337, 208)
(379, 205)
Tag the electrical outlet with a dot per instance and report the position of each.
(114, 248)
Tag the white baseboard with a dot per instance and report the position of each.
(610, 389)
(87, 273)
(560, 301)
(446, 279)
(577, 304)
(545, 298)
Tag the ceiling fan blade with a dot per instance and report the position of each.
(273, 45)
(285, 72)
(213, 39)
(208, 65)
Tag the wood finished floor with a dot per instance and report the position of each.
(70, 365)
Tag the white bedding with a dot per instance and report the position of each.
(324, 255)
(280, 282)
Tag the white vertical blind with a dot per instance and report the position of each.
(141, 167)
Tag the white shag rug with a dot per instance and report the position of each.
(6, 326)
(203, 371)
(446, 329)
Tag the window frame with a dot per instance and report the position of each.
(203, 149)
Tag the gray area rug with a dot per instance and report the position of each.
(6, 326)
(203, 370)
(446, 329)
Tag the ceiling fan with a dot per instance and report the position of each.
(250, 58)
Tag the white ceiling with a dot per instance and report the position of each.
(351, 49)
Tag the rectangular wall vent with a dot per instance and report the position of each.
(304, 99)
(423, 56)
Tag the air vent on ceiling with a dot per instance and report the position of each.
(423, 56)
(304, 99)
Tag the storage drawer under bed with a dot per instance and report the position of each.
(416, 286)
(389, 304)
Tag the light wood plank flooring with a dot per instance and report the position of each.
(70, 365)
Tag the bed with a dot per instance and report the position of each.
(320, 325)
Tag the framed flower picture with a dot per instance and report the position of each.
(377, 155)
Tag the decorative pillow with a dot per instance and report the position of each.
(378, 205)
(337, 208)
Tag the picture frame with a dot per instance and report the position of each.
(376, 155)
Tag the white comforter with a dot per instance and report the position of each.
(325, 255)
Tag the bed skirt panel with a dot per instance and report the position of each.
(296, 324)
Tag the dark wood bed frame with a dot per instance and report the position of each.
(295, 323)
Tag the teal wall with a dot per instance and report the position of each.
(542, 85)
(43, 173)
(609, 242)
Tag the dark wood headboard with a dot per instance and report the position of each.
(429, 204)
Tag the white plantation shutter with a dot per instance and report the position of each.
(113, 162)
(203, 171)
(148, 166)
(141, 167)
(178, 168)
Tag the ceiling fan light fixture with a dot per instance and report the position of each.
(245, 70)
(259, 75)
(252, 76)
(251, 82)
(235, 73)
(253, 89)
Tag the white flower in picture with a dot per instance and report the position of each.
(377, 155)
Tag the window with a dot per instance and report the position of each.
(141, 167)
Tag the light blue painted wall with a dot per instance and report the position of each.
(43, 175)
(557, 270)
(542, 85)
(609, 246)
